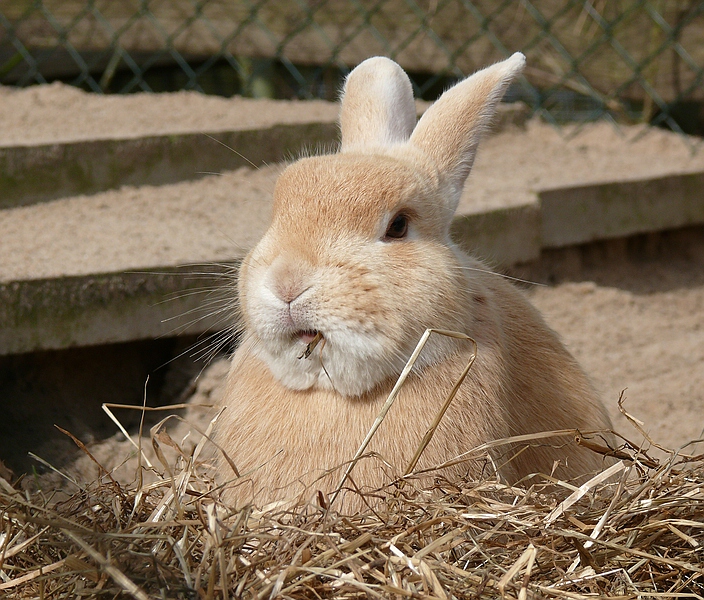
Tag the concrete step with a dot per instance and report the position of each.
(159, 260)
(124, 264)
(61, 142)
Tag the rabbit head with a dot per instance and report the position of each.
(358, 249)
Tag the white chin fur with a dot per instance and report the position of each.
(350, 368)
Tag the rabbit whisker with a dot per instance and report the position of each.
(502, 275)
(210, 299)
(214, 302)
(188, 350)
(228, 314)
(242, 156)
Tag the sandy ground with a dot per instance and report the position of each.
(634, 318)
(43, 114)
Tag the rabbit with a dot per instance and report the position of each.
(358, 255)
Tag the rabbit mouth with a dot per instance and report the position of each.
(308, 335)
(312, 338)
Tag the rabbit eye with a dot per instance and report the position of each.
(398, 228)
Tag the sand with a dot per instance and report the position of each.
(635, 322)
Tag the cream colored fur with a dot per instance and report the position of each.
(325, 265)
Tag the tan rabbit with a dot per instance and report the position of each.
(359, 251)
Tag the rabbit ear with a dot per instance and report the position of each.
(377, 105)
(450, 129)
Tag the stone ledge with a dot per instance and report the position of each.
(51, 314)
(503, 237)
(577, 215)
(43, 172)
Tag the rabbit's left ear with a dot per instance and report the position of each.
(450, 129)
(377, 105)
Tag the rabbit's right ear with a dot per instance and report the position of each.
(450, 129)
(377, 105)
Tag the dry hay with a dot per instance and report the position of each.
(634, 536)
(635, 530)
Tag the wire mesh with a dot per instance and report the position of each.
(632, 60)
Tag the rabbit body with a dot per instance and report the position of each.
(359, 251)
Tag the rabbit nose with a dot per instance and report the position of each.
(288, 283)
(290, 290)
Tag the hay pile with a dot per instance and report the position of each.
(638, 534)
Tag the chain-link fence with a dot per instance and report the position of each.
(632, 60)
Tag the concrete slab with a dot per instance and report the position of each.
(38, 173)
(66, 312)
(582, 214)
(127, 264)
(502, 236)
(215, 219)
